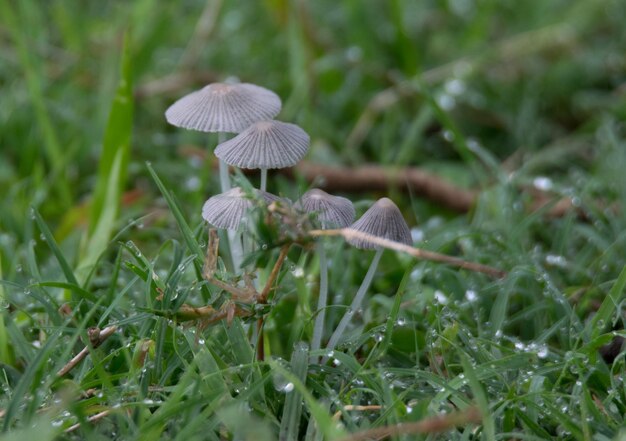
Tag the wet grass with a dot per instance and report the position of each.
(100, 219)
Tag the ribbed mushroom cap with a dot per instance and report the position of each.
(332, 211)
(265, 144)
(383, 219)
(221, 107)
(226, 210)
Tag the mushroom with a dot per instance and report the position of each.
(227, 210)
(222, 107)
(383, 219)
(265, 145)
(332, 212)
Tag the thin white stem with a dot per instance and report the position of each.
(234, 243)
(236, 249)
(263, 179)
(224, 176)
(318, 328)
(356, 303)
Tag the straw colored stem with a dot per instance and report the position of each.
(356, 303)
(348, 233)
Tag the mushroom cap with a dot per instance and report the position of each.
(383, 219)
(221, 107)
(332, 211)
(226, 210)
(265, 144)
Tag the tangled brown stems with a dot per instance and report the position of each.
(348, 233)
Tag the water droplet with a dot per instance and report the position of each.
(441, 298)
(543, 183)
(555, 260)
(471, 295)
(543, 352)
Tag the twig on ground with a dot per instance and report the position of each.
(412, 179)
(91, 419)
(96, 338)
(348, 233)
(351, 407)
(436, 424)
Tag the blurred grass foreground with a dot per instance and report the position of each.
(515, 108)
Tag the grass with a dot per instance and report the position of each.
(100, 220)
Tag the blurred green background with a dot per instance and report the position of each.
(505, 97)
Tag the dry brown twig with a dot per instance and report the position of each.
(96, 338)
(435, 424)
(351, 407)
(348, 233)
(91, 419)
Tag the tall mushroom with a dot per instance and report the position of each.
(265, 145)
(383, 219)
(332, 212)
(224, 108)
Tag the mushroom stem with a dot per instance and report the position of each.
(234, 242)
(224, 176)
(356, 303)
(318, 328)
(263, 179)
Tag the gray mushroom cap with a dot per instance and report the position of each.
(383, 219)
(221, 107)
(332, 211)
(266, 145)
(226, 210)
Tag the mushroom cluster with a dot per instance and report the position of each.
(264, 143)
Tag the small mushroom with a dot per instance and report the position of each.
(227, 210)
(383, 219)
(332, 212)
(265, 145)
(224, 108)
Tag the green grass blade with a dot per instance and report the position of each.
(318, 412)
(292, 411)
(489, 431)
(185, 230)
(599, 321)
(112, 170)
(54, 247)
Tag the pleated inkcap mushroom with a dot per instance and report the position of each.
(227, 210)
(332, 211)
(383, 219)
(265, 145)
(222, 107)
